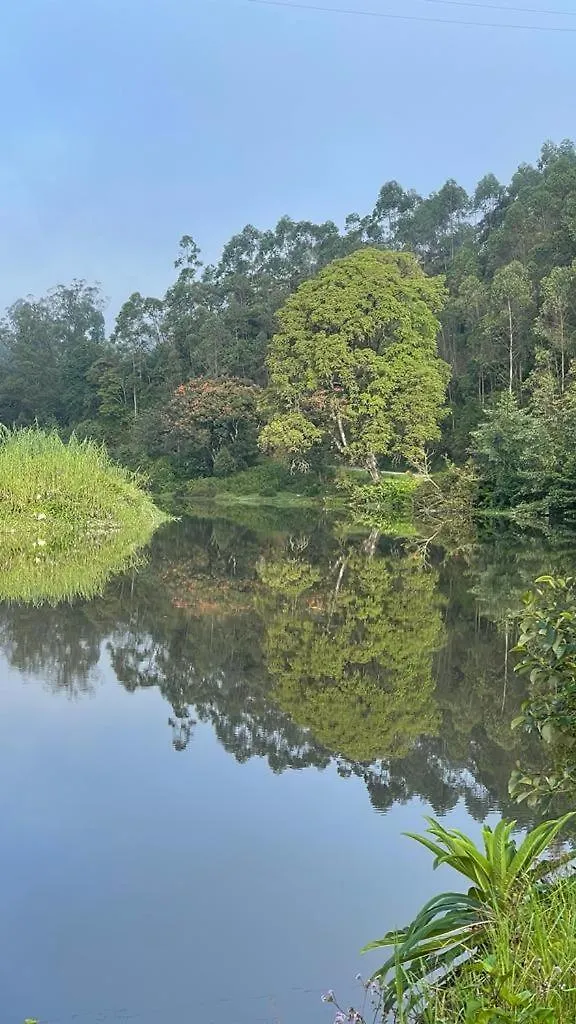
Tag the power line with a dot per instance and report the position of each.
(499, 7)
(412, 17)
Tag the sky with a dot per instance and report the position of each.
(128, 123)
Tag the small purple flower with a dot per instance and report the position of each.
(328, 997)
(341, 1017)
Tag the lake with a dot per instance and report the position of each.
(206, 773)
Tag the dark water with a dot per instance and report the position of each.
(205, 774)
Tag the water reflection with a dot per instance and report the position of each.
(349, 647)
(305, 647)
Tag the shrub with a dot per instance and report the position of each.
(547, 649)
(527, 973)
(267, 479)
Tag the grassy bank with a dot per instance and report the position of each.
(527, 972)
(283, 499)
(69, 517)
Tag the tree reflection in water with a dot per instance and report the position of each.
(306, 649)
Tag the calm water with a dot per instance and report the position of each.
(205, 774)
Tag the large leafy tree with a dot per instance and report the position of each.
(354, 364)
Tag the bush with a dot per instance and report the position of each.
(204, 487)
(527, 973)
(266, 479)
(547, 650)
(161, 477)
(503, 951)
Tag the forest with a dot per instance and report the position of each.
(479, 309)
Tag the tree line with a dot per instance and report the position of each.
(190, 379)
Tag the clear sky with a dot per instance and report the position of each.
(128, 123)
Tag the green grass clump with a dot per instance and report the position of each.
(528, 970)
(69, 517)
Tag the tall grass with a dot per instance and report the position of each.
(69, 517)
(504, 952)
(528, 972)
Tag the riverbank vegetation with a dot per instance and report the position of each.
(504, 951)
(546, 651)
(69, 517)
(444, 942)
(326, 344)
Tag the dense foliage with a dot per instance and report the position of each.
(340, 371)
(210, 427)
(351, 654)
(546, 652)
(354, 364)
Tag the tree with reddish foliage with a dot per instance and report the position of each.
(210, 426)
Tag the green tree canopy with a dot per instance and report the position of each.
(512, 452)
(556, 322)
(354, 364)
(47, 347)
(508, 321)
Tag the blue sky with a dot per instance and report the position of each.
(127, 123)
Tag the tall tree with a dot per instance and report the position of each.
(355, 364)
(393, 203)
(435, 227)
(556, 321)
(137, 334)
(509, 319)
(488, 195)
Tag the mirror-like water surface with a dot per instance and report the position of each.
(207, 771)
